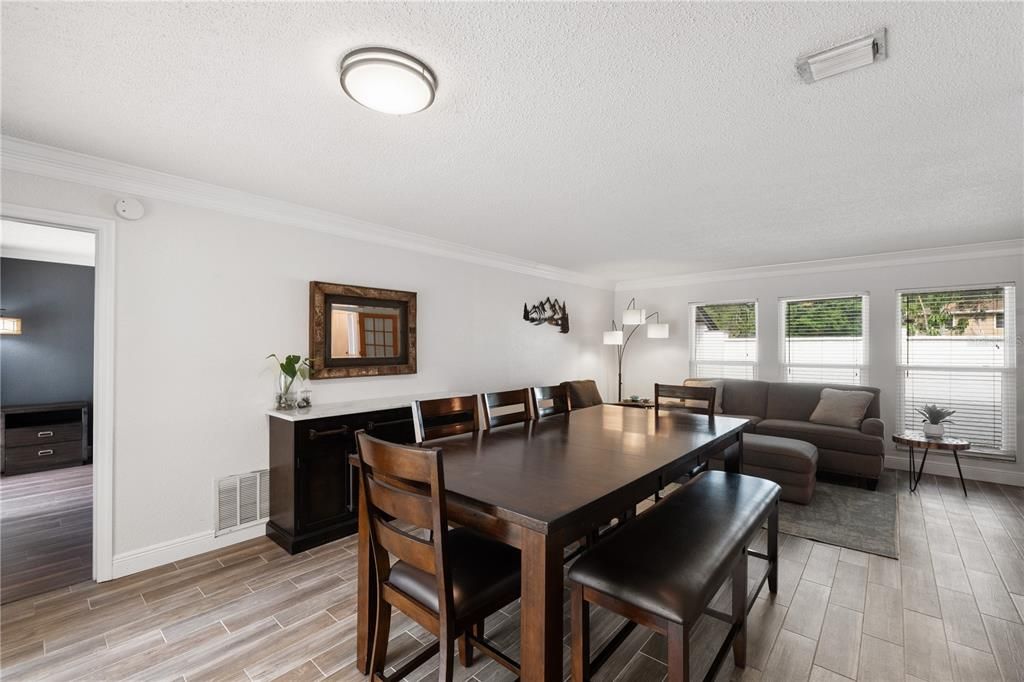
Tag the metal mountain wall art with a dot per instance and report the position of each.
(548, 312)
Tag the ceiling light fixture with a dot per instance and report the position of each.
(387, 81)
(862, 51)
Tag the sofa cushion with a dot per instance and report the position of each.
(752, 418)
(716, 384)
(823, 435)
(797, 401)
(744, 396)
(841, 408)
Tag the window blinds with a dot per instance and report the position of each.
(724, 340)
(957, 350)
(825, 339)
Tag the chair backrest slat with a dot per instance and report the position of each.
(404, 505)
(558, 396)
(410, 549)
(705, 394)
(519, 397)
(446, 416)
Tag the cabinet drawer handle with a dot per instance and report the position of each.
(314, 434)
(44, 434)
(45, 452)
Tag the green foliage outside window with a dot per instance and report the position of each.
(947, 313)
(739, 320)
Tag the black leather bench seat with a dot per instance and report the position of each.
(672, 559)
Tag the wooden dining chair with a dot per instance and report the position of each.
(558, 396)
(503, 399)
(446, 416)
(448, 582)
(697, 399)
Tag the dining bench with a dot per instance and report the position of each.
(665, 567)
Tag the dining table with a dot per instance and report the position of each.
(542, 485)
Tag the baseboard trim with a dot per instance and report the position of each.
(943, 465)
(180, 548)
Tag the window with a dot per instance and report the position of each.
(724, 340)
(825, 339)
(957, 350)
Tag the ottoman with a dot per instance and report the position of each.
(790, 463)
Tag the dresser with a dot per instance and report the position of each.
(39, 437)
(313, 486)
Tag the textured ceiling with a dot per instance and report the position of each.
(622, 140)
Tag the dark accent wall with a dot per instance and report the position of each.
(51, 361)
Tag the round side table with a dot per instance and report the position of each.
(917, 439)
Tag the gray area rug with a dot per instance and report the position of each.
(846, 516)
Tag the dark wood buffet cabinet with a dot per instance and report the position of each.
(312, 485)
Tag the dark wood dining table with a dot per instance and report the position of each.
(543, 485)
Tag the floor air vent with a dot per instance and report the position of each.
(242, 500)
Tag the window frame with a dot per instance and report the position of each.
(1008, 411)
(863, 368)
(727, 363)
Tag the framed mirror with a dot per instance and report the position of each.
(359, 331)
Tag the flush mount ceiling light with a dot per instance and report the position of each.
(387, 81)
(862, 51)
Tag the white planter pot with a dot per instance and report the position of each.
(934, 430)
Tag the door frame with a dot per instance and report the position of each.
(102, 370)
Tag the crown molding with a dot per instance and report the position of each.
(1009, 247)
(61, 164)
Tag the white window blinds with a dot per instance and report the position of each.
(825, 339)
(957, 351)
(724, 340)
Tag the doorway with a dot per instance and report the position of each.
(57, 282)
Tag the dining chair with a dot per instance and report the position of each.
(449, 581)
(558, 396)
(506, 399)
(697, 399)
(583, 393)
(442, 417)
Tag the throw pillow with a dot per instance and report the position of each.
(719, 386)
(841, 408)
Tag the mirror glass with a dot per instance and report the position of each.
(365, 330)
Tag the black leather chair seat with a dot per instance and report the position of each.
(483, 572)
(671, 560)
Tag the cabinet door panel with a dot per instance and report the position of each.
(323, 487)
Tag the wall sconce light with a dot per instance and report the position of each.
(9, 325)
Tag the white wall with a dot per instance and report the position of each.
(204, 296)
(665, 361)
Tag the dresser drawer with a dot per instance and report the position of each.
(43, 435)
(38, 457)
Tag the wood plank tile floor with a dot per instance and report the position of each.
(952, 608)
(45, 531)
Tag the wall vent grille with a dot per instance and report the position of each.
(242, 500)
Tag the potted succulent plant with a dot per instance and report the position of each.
(935, 418)
(294, 367)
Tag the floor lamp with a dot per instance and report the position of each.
(633, 317)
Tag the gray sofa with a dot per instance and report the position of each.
(783, 410)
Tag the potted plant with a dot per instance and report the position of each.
(294, 367)
(935, 418)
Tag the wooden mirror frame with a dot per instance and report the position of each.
(319, 292)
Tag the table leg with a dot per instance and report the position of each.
(910, 481)
(963, 485)
(920, 470)
(736, 465)
(541, 610)
(366, 603)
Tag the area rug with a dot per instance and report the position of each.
(847, 516)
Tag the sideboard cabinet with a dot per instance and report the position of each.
(39, 437)
(313, 486)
